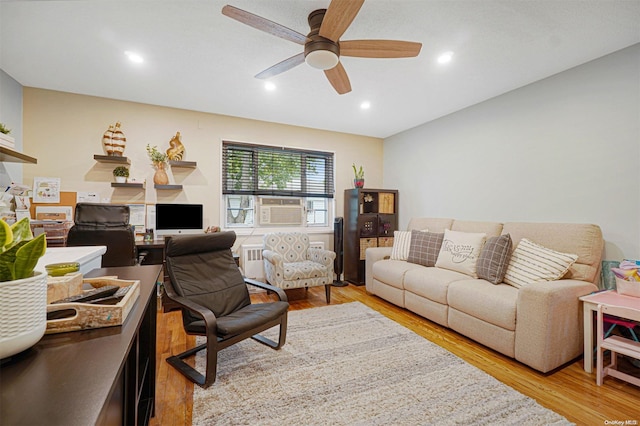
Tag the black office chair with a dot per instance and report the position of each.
(105, 225)
(215, 302)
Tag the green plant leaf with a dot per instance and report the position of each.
(21, 230)
(27, 256)
(6, 235)
(7, 262)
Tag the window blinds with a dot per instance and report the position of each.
(268, 170)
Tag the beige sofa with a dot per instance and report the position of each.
(539, 325)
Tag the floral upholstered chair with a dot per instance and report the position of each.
(289, 262)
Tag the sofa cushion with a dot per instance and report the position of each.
(583, 239)
(531, 262)
(494, 259)
(498, 302)
(492, 229)
(392, 272)
(424, 247)
(401, 243)
(431, 283)
(460, 251)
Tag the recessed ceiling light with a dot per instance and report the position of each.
(365, 105)
(269, 86)
(134, 57)
(445, 57)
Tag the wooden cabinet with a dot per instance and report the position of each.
(370, 217)
(101, 376)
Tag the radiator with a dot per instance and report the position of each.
(251, 259)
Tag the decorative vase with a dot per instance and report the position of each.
(106, 140)
(118, 141)
(358, 183)
(160, 177)
(23, 313)
(121, 179)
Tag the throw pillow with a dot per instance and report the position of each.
(401, 243)
(494, 259)
(460, 251)
(531, 262)
(424, 247)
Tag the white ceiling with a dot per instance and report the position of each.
(198, 59)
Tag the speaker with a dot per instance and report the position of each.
(338, 248)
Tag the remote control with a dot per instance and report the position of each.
(112, 300)
(87, 296)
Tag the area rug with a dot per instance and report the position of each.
(350, 365)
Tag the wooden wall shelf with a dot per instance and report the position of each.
(111, 159)
(11, 156)
(169, 187)
(138, 185)
(184, 164)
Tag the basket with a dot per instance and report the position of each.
(23, 313)
(628, 288)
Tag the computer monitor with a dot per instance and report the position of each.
(178, 219)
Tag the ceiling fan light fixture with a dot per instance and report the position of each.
(321, 59)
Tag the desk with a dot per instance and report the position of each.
(590, 305)
(154, 251)
(93, 377)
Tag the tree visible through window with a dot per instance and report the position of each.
(250, 170)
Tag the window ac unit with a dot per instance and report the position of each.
(281, 211)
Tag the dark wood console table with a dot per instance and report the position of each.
(104, 376)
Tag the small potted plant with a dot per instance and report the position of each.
(121, 173)
(159, 160)
(5, 139)
(23, 292)
(358, 180)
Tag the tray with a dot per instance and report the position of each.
(88, 316)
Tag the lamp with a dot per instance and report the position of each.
(321, 59)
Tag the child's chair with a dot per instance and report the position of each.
(616, 344)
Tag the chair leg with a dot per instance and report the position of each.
(282, 337)
(599, 366)
(327, 292)
(191, 373)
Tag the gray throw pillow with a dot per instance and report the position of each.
(424, 247)
(494, 259)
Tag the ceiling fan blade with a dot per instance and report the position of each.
(281, 67)
(338, 17)
(264, 24)
(338, 78)
(380, 48)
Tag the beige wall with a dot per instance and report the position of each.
(64, 131)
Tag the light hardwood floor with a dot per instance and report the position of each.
(568, 391)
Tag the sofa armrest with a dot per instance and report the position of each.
(373, 254)
(549, 327)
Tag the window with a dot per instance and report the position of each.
(270, 181)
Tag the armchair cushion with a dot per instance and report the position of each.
(304, 270)
(244, 319)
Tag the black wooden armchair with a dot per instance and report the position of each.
(215, 302)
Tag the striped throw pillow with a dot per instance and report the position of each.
(401, 242)
(531, 262)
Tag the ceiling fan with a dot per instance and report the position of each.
(322, 46)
